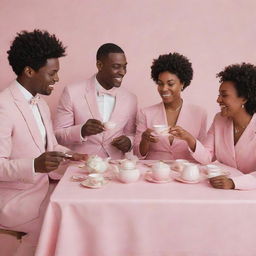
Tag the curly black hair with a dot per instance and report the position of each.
(244, 78)
(174, 63)
(107, 48)
(33, 49)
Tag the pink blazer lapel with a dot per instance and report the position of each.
(228, 140)
(90, 97)
(247, 136)
(119, 104)
(27, 114)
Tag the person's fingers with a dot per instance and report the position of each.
(51, 164)
(54, 154)
(95, 128)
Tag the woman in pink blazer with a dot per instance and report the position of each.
(172, 73)
(231, 138)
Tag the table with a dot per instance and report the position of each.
(147, 219)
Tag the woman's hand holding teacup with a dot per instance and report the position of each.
(148, 137)
(179, 133)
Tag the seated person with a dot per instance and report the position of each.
(87, 109)
(29, 152)
(172, 73)
(231, 139)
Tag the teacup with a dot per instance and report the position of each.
(109, 125)
(190, 172)
(213, 171)
(95, 179)
(160, 171)
(178, 165)
(161, 129)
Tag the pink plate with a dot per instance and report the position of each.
(148, 177)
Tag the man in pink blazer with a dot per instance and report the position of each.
(29, 152)
(97, 116)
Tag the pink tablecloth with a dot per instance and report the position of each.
(147, 219)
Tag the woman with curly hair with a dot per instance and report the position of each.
(172, 73)
(231, 139)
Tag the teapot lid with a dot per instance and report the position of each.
(128, 165)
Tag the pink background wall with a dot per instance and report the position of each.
(212, 34)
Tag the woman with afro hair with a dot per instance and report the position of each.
(231, 139)
(172, 73)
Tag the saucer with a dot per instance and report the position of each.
(87, 184)
(148, 177)
(81, 165)
(78, 178)
(161, 134)
(187, 181)
(177, 177)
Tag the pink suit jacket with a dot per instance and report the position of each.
(191, 117)
(219, 145)
(78, 104)
(21, 191)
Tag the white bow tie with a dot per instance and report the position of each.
(34, 100)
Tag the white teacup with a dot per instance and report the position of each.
(190, 172)
(161, 129)
(213, 171)
(178, 165)
(95, 179)
(160, 171)
(109, 125)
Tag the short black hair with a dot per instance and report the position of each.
(33, 49)
(105, 49)
(174, 63)
(243, 77)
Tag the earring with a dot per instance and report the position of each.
(243, 106)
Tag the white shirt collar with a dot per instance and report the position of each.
(98, 85)
(27, 95)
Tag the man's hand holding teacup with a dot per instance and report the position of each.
(48, 161)
(92, 127)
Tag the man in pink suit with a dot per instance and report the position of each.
(97, 116)
(231, 139)
(29, 153)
